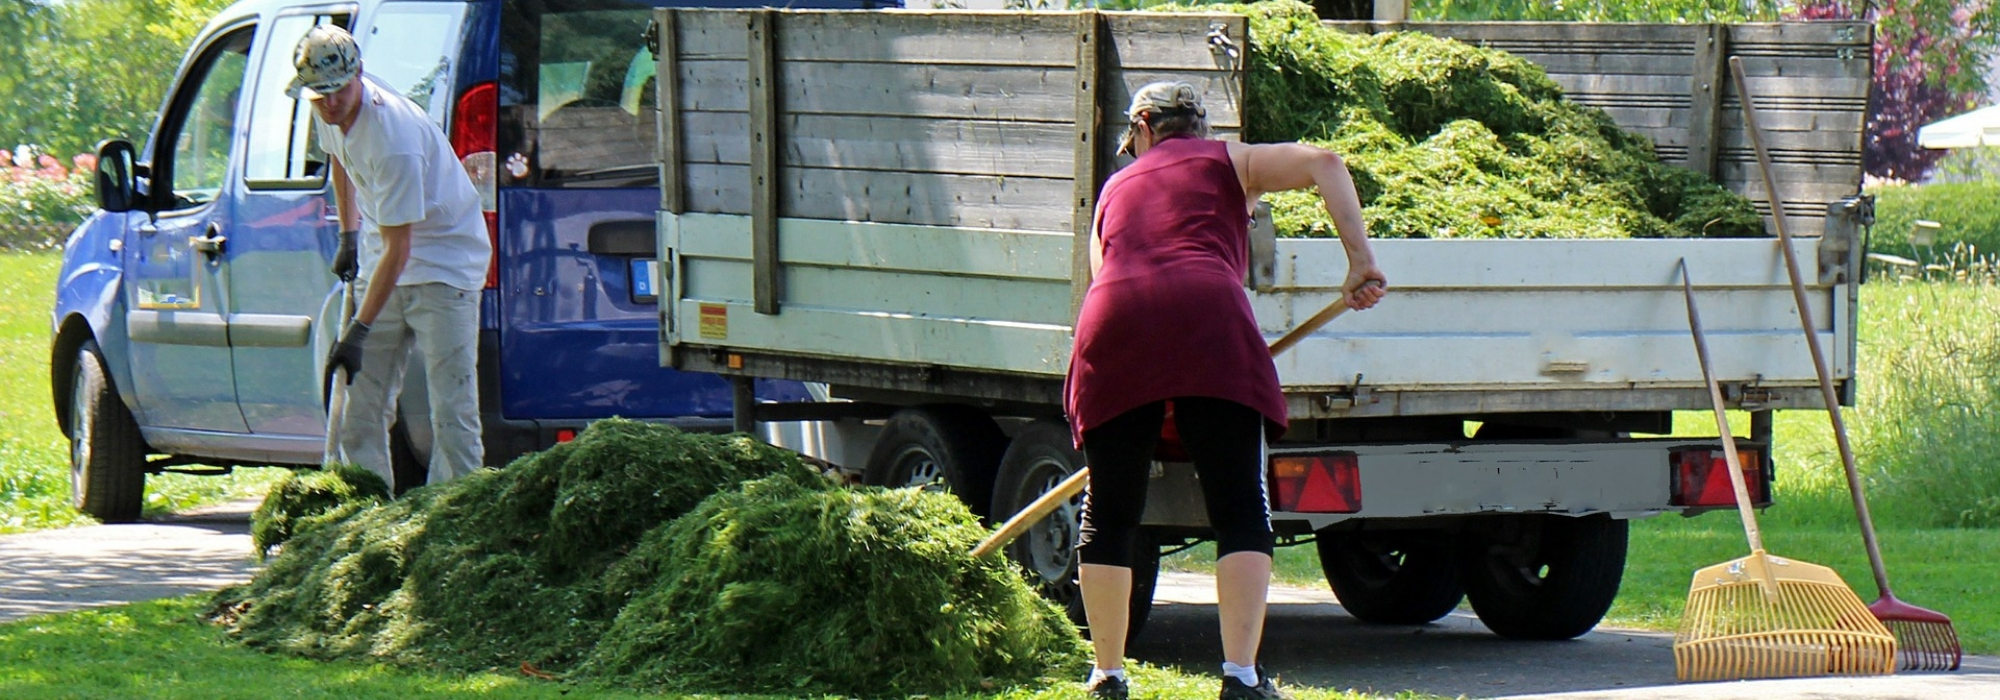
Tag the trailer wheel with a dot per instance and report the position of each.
(1543, 577)
(1402, 578)
(107, 456)
(1039, 458)
(956, 448)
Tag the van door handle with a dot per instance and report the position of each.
(212, 244)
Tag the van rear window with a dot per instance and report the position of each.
(577, 97)
(577, 89)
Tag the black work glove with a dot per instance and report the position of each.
(346, 354)
(345, 262)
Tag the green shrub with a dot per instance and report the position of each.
(297, 500)
(1449, 140)
(1967, 214)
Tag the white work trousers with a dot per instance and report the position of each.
(443, 322)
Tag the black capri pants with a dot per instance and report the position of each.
(1225, 440)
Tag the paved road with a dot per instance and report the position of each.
(63, 570)
(1309, 640)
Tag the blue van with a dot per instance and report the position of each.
(194, 310)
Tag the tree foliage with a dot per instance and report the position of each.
(80, 71)
(1930, 57)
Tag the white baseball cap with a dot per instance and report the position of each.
(327, 60)
(1159, 97)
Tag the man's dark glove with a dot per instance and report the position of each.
(345, 262)
(347, 353)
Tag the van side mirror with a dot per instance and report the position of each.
(117, 176)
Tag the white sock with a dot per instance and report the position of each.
(1246, 674)
(1097, 674)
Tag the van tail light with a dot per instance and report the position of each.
(1316, 484)
(1701, 477)
(565, 435)
(473, 135)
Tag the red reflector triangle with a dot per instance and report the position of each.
(1321, 495)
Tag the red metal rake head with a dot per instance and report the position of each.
(1924, 638)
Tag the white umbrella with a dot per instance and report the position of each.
(1980, 127)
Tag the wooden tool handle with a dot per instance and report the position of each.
(1721, 418)
(1325, 316)
(1033, 513)
(1854, 483)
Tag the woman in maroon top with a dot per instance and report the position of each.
(1167, 318)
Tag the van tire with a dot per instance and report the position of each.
(107, 455)
(1543, 577)
(954, 447)
(1400, 578)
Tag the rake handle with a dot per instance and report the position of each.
(336, 400)
(1721, 419)
(1069, 487)
(1854, 486)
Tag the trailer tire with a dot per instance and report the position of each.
(1402, 578)
(954, 447)
(1038, 459)
(1543, 577)
(107, 455)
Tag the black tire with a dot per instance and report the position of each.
(107, 456)
(957, 448)
(1542, 577)
(1391, 578)
(1038, 459)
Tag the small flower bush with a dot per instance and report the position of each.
(41, 199)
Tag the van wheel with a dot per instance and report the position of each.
(1401, 578)
(948, 447)
(1039, 459)
(107, 456)
(1542, 576)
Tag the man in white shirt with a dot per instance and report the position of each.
(422, 257)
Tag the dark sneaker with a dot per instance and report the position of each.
(1109, 688)
(1265, 689)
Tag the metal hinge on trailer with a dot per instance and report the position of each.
(1751, 395)
(1345, 398)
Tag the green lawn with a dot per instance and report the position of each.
(34, 455)
(162, 651)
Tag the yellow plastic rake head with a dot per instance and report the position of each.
(1769, 617)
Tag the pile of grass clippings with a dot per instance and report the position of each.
(1450, 140)
(568, 556)
(297, 501)
(889, 600)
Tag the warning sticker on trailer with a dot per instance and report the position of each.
(715, 321)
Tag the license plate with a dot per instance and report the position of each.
(645, 280)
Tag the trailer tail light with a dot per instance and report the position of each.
(1701, 477)
(473, 135)
(1316, 484)
(565, 435)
